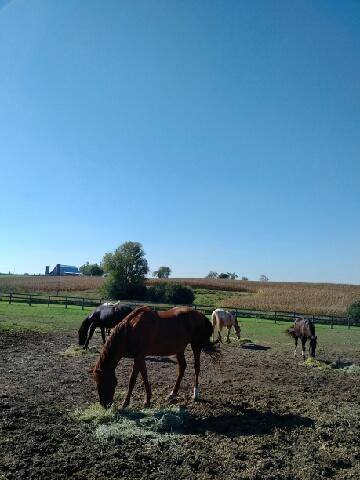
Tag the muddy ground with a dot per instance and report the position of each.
(263, 416)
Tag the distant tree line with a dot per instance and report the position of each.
(233, 276)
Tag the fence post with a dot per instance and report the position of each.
(275, 318)
(332, 321)
(348, 320)
(82, 305)
(66, 302)
(10, 298)
(49, 301)
(29, 300)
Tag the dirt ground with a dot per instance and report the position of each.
(262, 416)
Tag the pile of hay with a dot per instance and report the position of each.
(77, 351)
(113, 426)
(344, 366)
(319, 364)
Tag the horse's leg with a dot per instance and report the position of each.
(90, 334)
(143, 371)
(103, 334)
(219, 333)
(197, 352)
(228, 334)
(303, 341)
(214, 325)
(180, 357)
(132, 381)
(296, 344)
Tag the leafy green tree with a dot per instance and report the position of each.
(126, 268)
(223, 275)
(162, 272)
(92, 269)
(212, 274)
(232, 276)
(354, 310)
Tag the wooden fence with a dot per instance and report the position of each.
(38, 298)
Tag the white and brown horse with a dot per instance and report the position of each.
(222, 318)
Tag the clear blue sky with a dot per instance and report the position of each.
(222, 135)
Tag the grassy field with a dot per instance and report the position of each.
(307, 298)
(40, 318)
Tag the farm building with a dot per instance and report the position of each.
(59, 270)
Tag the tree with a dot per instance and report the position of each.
(353, 311)
(244, 279)
(126, 268)
(263, 278)
(212, 274)
(232, 276)
(162, 272)
(223, 275)
(92, 269)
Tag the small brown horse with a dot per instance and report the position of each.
(145, 332)
(304, 329)
(222, 318)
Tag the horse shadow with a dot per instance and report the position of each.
(254, 346)
(244, 421)
(160, 359)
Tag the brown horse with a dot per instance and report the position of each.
(304, 329)
(145, 332)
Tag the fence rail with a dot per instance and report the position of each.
(275, 315)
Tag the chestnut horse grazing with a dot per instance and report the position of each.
(105, 316)
(222, 318)
(304, 329)
(146, 332)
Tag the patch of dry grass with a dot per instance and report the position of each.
(112, 425)
(77, 351)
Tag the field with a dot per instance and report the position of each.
(308, 298)
(263, 414)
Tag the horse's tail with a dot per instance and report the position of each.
(207, 346)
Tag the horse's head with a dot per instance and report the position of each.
(83, 332)
(312, 347)
(105, 384)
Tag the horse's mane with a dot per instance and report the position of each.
(113, 342)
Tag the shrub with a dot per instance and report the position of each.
(171, 293)
(354, 310)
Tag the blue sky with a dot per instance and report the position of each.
(222, 135)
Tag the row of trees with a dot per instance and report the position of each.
(233, 276)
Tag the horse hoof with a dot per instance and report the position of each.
(171, 397)
(146, 404)
(124, 405)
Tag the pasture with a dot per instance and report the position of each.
(263, 413)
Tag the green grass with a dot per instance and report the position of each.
(41, 318)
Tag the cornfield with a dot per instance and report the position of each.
(311, 298)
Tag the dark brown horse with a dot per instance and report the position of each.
(145, 332)
(305, 330)
(105, 316)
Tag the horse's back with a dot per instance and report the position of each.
(161, 333)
